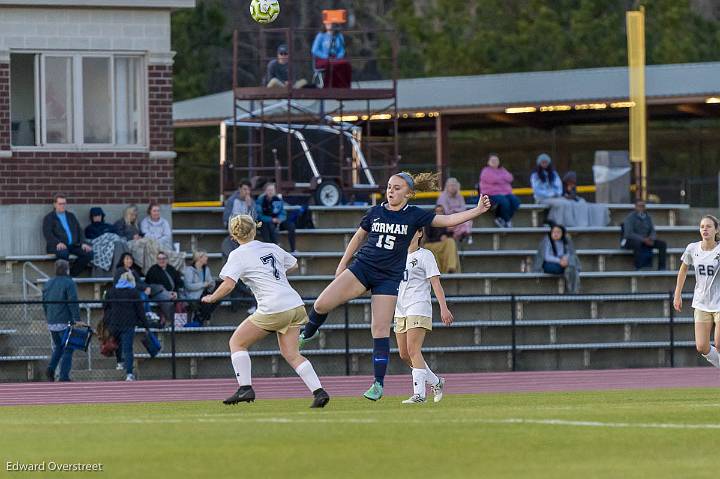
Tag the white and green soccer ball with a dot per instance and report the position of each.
(264, 11)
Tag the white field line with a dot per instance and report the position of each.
(330, 420)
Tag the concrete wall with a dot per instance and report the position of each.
(21, 231)
(85, 29)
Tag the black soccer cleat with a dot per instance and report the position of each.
(321, 398)
(243, 394)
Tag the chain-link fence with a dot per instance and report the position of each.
(505, 332)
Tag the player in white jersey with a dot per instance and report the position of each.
(704, 256)
(262, 267)
(413, 317)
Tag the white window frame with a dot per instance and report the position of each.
(77, 102)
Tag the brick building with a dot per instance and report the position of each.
(85, 109)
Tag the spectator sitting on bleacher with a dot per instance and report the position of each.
(239, 203)
(199, 282)
(124, 312)
(166, 284)
(128, 227)
(241, 290)
(496, 182)
(156, 227)
(442, 244)
(452, 201)
(548, 190)
(59, 316)
(106, 244)
(64, 237)
(271, 211)
(277, 70)
(127, 264)
(638, 234)
(556, 255)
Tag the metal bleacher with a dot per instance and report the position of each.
(619, 311)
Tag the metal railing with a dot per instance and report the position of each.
(24, 337)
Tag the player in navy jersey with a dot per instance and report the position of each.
(381, 244)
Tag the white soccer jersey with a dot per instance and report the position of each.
(706, 296)
(414, 295)
(262, 267)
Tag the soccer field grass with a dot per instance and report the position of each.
(648, 433)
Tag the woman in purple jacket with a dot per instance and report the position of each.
(496, 182)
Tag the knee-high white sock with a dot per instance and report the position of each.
(713, 357)
(241, 365)
(430, 377)
(418, 376)
(307, 374)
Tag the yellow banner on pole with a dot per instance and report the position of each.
(638, 114)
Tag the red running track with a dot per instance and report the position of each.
(282, 388)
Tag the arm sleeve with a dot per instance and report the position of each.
(653, 233)
(366, 222)
(178, 278)
(536, 185)
(339, 46)
(270, 72)
(629, 231)
(288, 260)
(431, 267)
(140, 313)
(557, 185)
(232, 269)
(424, 218)
(190, 284)
(167, 233)
(687, 256)
(317, 46)
(48, 230)
(282, 214)
(74, 307)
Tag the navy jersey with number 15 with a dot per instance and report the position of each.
(390, 233)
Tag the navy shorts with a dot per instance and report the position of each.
(378, 282)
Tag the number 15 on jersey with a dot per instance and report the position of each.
(386, 241)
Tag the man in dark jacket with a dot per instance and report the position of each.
(64, 236)
(639, 235)
(123, 312)
(59, 316)
(97, 226)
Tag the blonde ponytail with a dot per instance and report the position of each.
(242, 228)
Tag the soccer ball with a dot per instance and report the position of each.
(264, 11)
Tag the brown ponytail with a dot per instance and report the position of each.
(717, 226)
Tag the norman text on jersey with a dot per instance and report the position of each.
(389, 228)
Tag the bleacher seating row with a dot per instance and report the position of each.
(554, 331)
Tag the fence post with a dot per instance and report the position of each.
(513, 319)
(672, 330)
(172, 347)
(347, 339)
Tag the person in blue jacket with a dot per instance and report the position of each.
(61, 310)
(270, 209)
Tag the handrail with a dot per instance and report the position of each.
(29, 283)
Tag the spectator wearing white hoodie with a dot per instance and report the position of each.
(156, 227)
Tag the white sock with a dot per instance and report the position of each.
(418, 381)
(307, 374)
(241, 365)
(713, 357)
(430, 376)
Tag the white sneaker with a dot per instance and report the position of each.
(499, 222)
(414, 399)
(438, 390)
(508, 224)
(119, 367)
(130, 377)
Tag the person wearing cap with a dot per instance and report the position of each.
(277, 70)
(566, 208)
